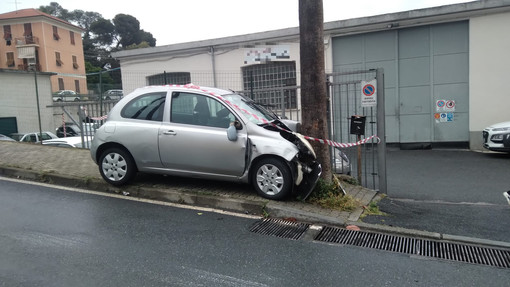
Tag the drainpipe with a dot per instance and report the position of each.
(213, 65)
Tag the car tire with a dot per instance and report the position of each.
(272, 178)
(116, 166)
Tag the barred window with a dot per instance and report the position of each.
(264, 82)
(178, 78)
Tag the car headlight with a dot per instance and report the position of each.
(306, 143)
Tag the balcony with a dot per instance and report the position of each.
(25, 67)
(27, 41)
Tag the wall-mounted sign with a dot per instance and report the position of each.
(259, 55)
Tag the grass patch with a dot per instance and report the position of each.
(331, 196)
(372, 209)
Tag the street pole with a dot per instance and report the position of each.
(37, 97)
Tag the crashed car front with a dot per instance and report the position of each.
(268, 137)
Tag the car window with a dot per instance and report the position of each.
(146, 107)
(30, 138)
(194, 109)
(46, 136)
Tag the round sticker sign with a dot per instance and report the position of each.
(368, 90)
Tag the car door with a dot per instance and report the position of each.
(194, 139)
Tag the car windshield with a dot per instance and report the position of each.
(251, 110)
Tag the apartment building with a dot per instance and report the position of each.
(35, 40)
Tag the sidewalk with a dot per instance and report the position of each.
(75, 168)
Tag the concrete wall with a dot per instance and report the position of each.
(228, 62)
(18, 99)
(489, 72)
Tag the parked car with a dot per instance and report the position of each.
(75, 142)
(341, 163)
(6, 138)
(33, 137)
(71, 129)
(206, 133)
(66, 96)
(113, 95)
(497, 137)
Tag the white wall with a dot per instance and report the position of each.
(227, 61)
(18, 99)
(489, 74)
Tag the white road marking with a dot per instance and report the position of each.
(144, 200)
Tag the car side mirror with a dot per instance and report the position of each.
(232, 133)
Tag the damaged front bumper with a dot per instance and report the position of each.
(310, 178)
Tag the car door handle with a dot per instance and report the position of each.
(170, 133)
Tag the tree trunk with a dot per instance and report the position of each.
(313, 80)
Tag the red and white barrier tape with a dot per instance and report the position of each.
(100, 118)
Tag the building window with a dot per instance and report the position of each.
(7, 35)
(10, 59)
(71, 35)
(264, 83)
(75, 62)
(59, 61)
(55, 33)
(77, 86)
(29, 39)
(179, 78)
(61, 84)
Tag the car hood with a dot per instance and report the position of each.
(499, 125)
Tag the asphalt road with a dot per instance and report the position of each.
(55, 237)
(449, 191)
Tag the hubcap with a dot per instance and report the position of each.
(270, 179)
(114, 167)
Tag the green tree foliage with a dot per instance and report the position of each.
(102, 36)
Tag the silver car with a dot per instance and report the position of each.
(206, 133)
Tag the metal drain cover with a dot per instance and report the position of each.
(415, 246)
(280, 228)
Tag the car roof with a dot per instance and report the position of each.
(188, 87)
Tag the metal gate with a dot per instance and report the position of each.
(368, 161)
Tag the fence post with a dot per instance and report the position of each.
(381, 132)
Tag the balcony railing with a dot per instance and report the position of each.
(27, 40)
(24, 67)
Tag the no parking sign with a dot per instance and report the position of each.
(369, 93)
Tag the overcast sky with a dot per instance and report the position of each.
(178, 21)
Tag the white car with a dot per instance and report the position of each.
(75, 142)
(66, 96)
(497, 137)
(33, 137)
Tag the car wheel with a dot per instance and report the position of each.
(272, 178)
(117, 166)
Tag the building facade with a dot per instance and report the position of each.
(445, 68)
(35, 40)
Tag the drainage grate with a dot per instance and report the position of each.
(280, 228)
(421, 247)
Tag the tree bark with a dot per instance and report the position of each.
(313, 80)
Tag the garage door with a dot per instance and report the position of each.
(426, 78)
(8, 126)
